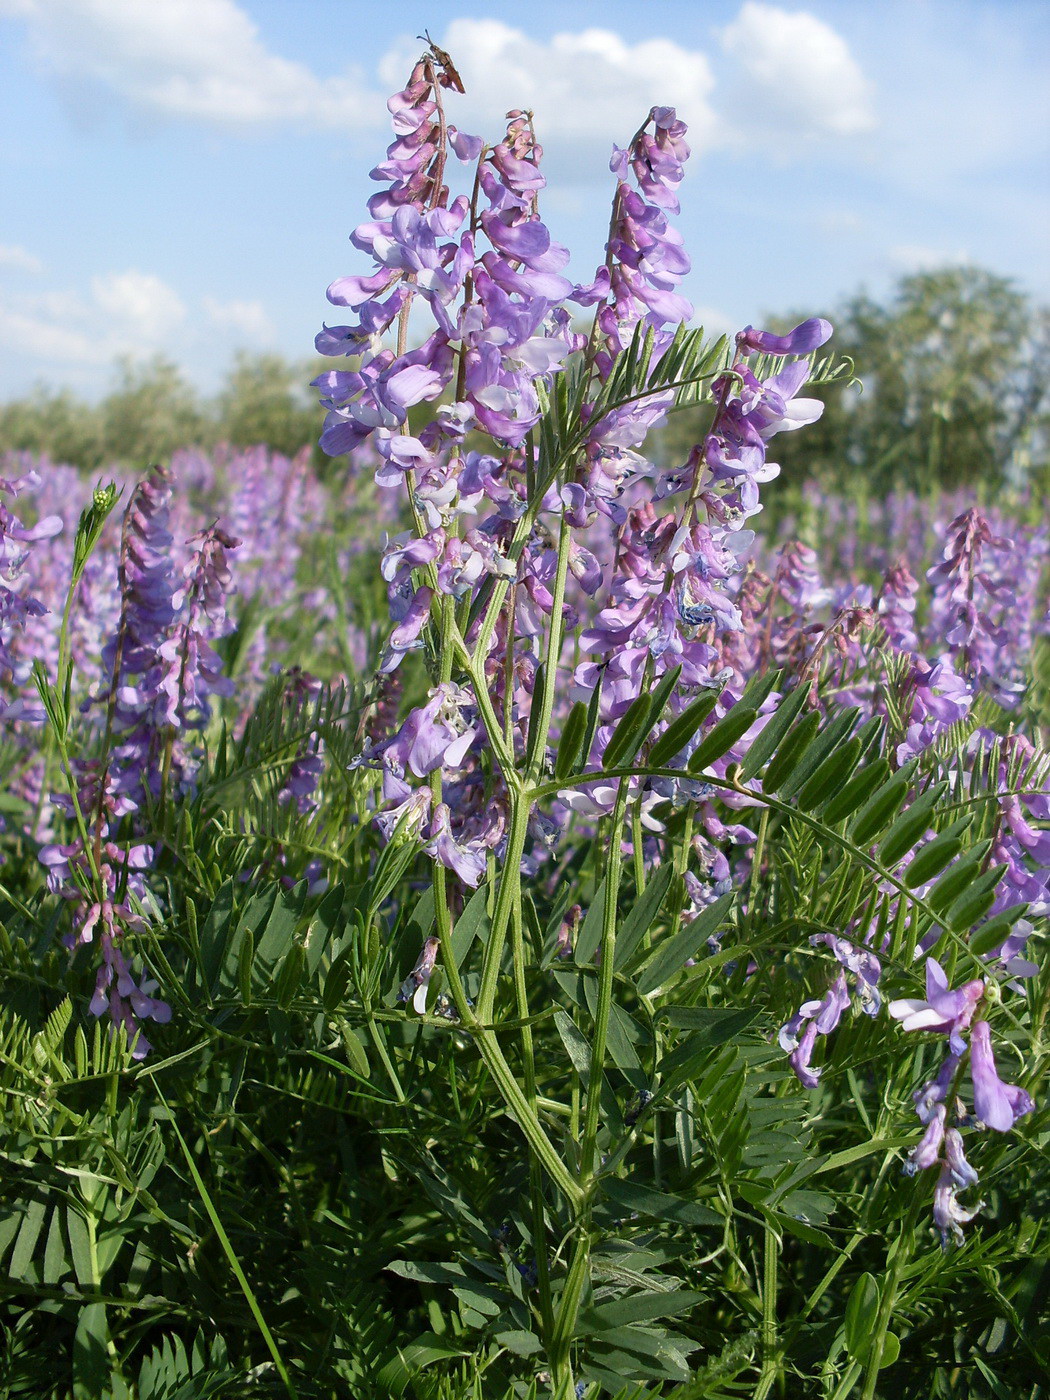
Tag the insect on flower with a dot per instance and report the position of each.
(448, 77)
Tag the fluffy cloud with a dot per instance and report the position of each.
(246, 320)
(205, 61)
(119, 313)
(19, 259)
(584, 87)
(126, 312)
(197, 59)
(921, 257)
(137, 305)
(798, 74)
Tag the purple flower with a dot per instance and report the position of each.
(927, 1151)
(935, 1091)
(820, 1018)
(415, 984)
(943, 1009)
(996, 1104)
(434, 735)
(465, 858)
(804, 338)
(963, 1175)
(948, 1215)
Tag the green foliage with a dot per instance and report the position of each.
(305, 1178)
(151, 411)
(265, 399)
(952, 373)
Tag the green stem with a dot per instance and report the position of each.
(554, 641)
(605, 983)
(770, 1359)
(539, 1217)
(560, 1351)
(508, 895)
(901, 1255)
(525, 1117)
(228, 1250)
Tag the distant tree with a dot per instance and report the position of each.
(955, 376)
(56, 424)
(955, 389)
(151, 412)
(266, 399)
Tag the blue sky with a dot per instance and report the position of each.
(180, 176)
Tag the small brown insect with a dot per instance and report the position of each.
(449, 76)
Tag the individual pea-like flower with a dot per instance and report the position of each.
(948, 1215)
(465, 858)
(995, 1104)
(414, 986)
(935, 1091)
(819, 1018)
(943, 1009)
(928, 1149)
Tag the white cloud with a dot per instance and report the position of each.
(196, 59)
(127, 312)
(247, 319)
(588, 86)
(920, 257)
(798, 74)
(32, 336)
(121, 313)
(20, 259)
(138, 304)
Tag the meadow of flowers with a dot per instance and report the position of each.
(494, 921)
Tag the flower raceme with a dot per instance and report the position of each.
(995, 1104)
(492, 276)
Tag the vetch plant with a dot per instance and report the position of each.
(496, 916)
(579, 609)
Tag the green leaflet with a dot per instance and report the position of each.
(932, 858)
(952, 883)
(790, 750)
(670, 957)
(628, 735)
(857, 791)
(638, 722)
(640, 919)
(990, 935)
(681, 730)
(776, 728)
(633, 1196)
(824, 745)
(975, 900)
(722, 737)
(829, 776)
(570, 745)
(590, 932)
(879, 809)
(910, 825)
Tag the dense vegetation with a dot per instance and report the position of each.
(479, 920)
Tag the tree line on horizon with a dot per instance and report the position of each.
(952, 387)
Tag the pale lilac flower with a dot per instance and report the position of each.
(927, 1151)
(935, 1091)
(963, 1175)
(996, 1104)
(415, 984)
(943, 1009)
(948, 1215)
